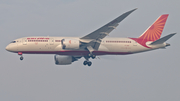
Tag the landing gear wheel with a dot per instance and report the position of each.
(89, 63)
(93, 56)
(89, 55)
(21, 58)
(85, 62)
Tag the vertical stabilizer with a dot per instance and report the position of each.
(154, 32)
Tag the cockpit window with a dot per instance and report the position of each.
(13, 42)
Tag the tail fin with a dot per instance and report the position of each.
(154, 32)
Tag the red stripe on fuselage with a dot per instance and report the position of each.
(84, 53)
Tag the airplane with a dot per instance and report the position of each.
(69, 49)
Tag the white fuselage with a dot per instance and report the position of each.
(52, 45)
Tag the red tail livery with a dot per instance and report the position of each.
(154, 32)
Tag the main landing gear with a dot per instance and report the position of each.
(87, 62)
(91, 56)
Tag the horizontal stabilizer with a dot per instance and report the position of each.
(162, 40)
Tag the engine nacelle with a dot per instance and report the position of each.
(70, 44)
(63, 60)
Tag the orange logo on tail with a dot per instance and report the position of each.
(154, 32)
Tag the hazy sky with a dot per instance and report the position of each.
(148, 76)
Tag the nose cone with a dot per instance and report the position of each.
(7, 48)
(11, 47)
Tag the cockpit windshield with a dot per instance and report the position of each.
(13, 42)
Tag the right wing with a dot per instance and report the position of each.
(94, 39)
(106, 29)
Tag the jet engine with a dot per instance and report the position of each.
(63, 60)
(70, 44)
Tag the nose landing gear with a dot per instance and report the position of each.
(21, 58)
(20, 53)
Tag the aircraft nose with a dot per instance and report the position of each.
(7, 48)
(11, 47)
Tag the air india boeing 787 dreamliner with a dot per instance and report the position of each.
(70, 49)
